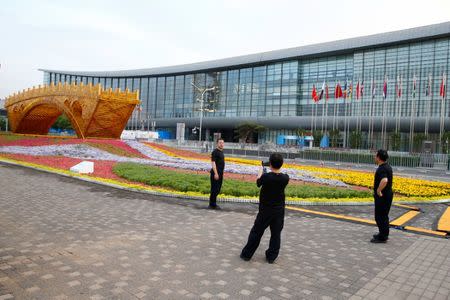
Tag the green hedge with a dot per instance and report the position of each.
(201, 183)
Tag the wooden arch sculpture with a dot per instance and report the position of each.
(92, 111)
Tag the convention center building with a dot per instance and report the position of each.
(374, 87)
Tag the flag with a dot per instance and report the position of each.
(358, 91)
(322, 91)
(314, 94)
(399, 91)
(350, 91)
(326, 92)
(442, 89)
(362, 88)
(414, 86)
(428, 87)
(385, 88)
(338, 91)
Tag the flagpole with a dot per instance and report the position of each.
(326, 108)
(323, 114)
(312, 118)
(349, 111)
(315, 116)
(312, 113)
(358, 107)
(372, 87)
(441, 124)
(383, 126)
(413, 116)
(400, 103)
(397, 104)
(334, 112)
(427, 118)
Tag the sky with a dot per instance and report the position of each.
(97, 35)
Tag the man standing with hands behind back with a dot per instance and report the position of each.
(382, 190)
(216, 174)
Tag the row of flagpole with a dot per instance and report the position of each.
(347, 91)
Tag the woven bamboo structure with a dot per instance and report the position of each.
(92, 110)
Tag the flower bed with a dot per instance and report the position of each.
(232, 187)
(63, 153)
(404, 186)
(116, 147)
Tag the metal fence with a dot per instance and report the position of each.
(398, 159)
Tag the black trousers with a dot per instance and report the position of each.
(382, 207)
(264, 219)
(216, 185)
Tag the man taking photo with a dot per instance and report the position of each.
(271, 210)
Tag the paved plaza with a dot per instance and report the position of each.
(61, 238)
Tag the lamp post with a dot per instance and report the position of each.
(201, 100)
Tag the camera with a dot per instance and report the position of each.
(265, 163)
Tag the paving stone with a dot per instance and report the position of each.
(62, 238)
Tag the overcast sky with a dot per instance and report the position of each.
(97, 35)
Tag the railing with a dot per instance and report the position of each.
(355, 156)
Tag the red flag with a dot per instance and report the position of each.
(385, 88)
(358, 91)
(398, 87)
(314, 94)
(442, 90)
(326, 92)
(338, 92)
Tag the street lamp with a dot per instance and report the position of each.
(201, 100)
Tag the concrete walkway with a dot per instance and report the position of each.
(61, 238)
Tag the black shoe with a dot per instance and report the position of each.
(377, 236)
(244, 257)
(270, 261)
(378, 241)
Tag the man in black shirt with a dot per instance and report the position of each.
(271, 210)
(382, 192)
(216, 173)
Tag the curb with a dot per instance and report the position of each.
(205, 198)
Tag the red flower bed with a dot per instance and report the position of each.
(102, 168)
(29, 141)
(117, 147)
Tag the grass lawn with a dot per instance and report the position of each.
(183, 182)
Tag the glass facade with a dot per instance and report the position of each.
(279, 90)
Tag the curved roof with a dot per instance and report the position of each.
(335, 47)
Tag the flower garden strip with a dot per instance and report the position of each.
(418, 188)
(60, 154)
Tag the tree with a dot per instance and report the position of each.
(245, 131)
(317, 137)
(355, 139)
(417, 141)
(334, 135)
(395, 141)
(2, 123)
(62, 123)
(301, 131)
(445, 142)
